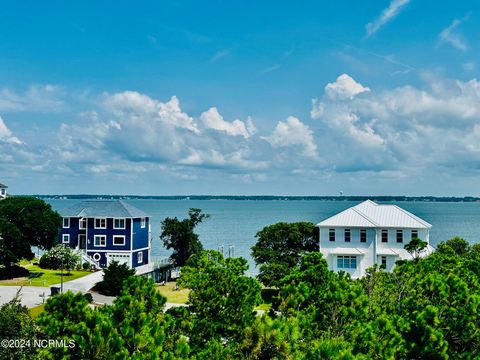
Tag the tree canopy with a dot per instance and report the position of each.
(280, 246)
(222, 298)
(180, 236)
(26, 222)
(428, 308)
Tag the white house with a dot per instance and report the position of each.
(3, 191)
(367, 234)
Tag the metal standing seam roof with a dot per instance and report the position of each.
(2, 186)
(369, 214)
(103, 208)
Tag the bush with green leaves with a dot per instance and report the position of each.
(58, 257)
(16, 323)
(114, 276)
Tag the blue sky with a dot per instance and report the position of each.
(240, 97)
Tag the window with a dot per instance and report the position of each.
(83, 224)
(414, 234)
(399, 236)
(66, 238)
(384, 262)
(346, 262)
(384, 236)
(142, 222)
(97, 257)
(331, 234)
(100, 240)
(66, 223)
(119, 223)
(140, 257)
(100, 223)
(363, 235)
(3, 191)
(118, 240)
(347, 235)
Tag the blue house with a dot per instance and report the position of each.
(107, 230)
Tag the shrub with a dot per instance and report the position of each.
(89, 297)
(113, 277)
(12, 272)
(58, 255)
(85, 266)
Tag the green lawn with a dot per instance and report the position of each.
(174, 296)
(181, 296)
(35, 311)
(42, 277)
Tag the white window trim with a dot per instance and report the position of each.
(411, 234)
(80, 223)
(68, 223)
(384, 231)
(350, 258)
(94, 256)
(100, 227)
(401, 232)
(65, 236)
(140, 257)
(363, 231)
(99, 236)
(349, 232)
(118, 236)
(143, 222)
(124, 224)
(332, 231)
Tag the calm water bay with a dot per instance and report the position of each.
(235, 222)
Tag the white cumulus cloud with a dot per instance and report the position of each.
(293, 132)
(213, 120)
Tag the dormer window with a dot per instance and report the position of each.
(66, 223)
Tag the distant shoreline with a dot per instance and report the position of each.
(266, 198)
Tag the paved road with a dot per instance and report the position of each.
(30, 295)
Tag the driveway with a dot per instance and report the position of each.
(82, 284)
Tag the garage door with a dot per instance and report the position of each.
(121, 258)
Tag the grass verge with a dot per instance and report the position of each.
(42, 277)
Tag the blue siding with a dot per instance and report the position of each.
(73, 231)
(140, 235)
(103, 257)
(145, 258)
(109, 232)
(140, 238)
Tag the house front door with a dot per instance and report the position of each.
(82, 241)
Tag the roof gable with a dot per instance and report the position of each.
(2, 186)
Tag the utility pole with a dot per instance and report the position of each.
(61, 275)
